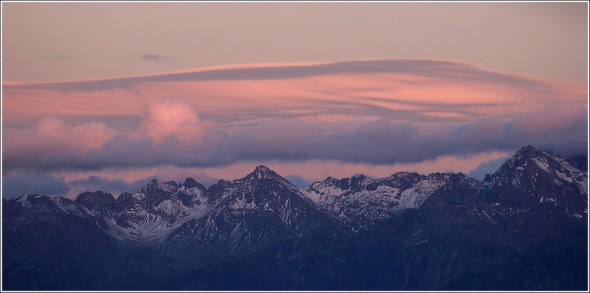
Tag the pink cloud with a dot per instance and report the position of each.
(182, 140)
(333, 118)
(443, 90)
(163, 118)
(51, 139)
(52, 143)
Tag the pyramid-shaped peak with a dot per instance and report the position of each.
(522, 156)
(262, 168)
(263, 172)
(528, 151)
(190, 183)
(527, 160)
(528, 148)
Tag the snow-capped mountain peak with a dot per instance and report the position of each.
(359, 200)
(533, 177)
(261, 225)
(158, 208)
(263, 172)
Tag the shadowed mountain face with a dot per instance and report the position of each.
(522, 228)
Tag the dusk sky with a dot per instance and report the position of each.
(110, 95)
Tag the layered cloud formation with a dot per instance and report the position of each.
(373, 113)
(180, 139)
(410, 90)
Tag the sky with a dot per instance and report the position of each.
(111, 95)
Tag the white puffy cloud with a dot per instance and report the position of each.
(163, 118)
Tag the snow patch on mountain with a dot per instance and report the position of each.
(575, 175)
(358, 201)
(564, 171)
(25, 200)
(157, 210)
(68, 206)
(138, 196)
(414, 197)
(141, 225)
(241, 203)
(542, 164)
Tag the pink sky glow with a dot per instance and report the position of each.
(317, 95)
(310, 120)
(109, 95)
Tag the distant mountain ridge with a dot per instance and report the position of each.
(525, 225)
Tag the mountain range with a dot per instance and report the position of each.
(525, 227)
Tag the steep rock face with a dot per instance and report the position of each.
(250, 213)
(533, 176)
(361, 201)
(96, 201)
(533, 181)
(523, 228)
(149, 214)
(537, 199)
(471, 235)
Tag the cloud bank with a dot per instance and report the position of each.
(171, 134)
(371, 113)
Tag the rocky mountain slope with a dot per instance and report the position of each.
(522, 228)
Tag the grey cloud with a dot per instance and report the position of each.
(114, 186)
(385, 141)
(20, 182)
(448, 70)
(562, 129)
(298, 181)
(152, 57)
(124, 151)
(488, 167)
